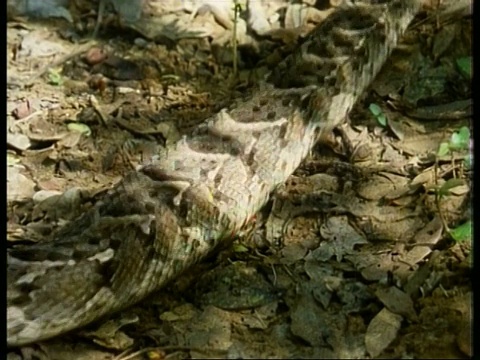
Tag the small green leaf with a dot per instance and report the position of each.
(460, 140)
(375, 109)
(465, 66)
(450, 184)
(462, 232)
(468, 162)
(382, 120)
(239, 248)
(170, 77)
(464, 132)
(54, 77)
(79, 127)
(443, 149)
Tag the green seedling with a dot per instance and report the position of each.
(54, 77)
(462, 232)
(378, 113)
(464, 65)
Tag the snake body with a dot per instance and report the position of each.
(176, 209)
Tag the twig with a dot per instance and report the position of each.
(437, 197)
(236, 10)
(101, 10)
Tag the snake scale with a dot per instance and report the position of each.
(174, 210)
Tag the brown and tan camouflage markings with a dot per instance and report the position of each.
(175, 210)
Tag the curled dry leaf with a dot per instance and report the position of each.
(19, 186)
(397, 301)
(109, 336)
(18, 141)
(381, 331)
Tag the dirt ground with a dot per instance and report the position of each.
(350, 258)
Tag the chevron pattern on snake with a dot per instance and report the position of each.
(179, 206)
